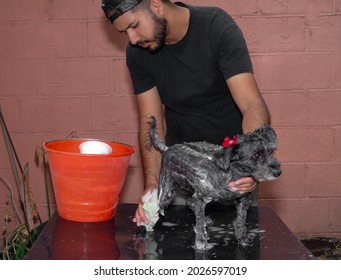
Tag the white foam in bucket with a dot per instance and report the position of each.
(94, 148)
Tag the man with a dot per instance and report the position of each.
(189, 65)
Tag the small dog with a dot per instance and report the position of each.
(205, 170)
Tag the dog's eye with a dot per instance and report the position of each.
(257, 156)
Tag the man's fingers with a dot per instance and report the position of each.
(140, 216)
(243, 188)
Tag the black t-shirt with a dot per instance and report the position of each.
(191, 75)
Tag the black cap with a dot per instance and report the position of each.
(115, 8)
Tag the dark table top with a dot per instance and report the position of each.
(173, 237)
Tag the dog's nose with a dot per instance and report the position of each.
(277, 173)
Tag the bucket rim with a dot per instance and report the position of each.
(132, 147)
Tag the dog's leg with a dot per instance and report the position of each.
(239, 224)
(198, 206)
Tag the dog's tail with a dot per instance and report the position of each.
(154, 136)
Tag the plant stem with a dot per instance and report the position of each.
(46, 186)
(10, 190)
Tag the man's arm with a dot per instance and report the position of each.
(255, 113)
(246, 94)
(149, 104)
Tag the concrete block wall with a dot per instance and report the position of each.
(62, 70)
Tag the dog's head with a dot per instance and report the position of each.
(252, 156)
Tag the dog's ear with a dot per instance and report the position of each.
(235, 153)
(269, 135)
(224, 156)
(264, 133)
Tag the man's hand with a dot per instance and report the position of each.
(140, 215)
(243, 185)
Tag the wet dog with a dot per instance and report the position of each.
(205, 170)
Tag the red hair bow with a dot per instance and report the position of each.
(229, 142)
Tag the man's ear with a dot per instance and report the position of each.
(156, 6)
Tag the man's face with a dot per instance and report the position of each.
(143, 29)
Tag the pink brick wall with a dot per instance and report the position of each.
(62, 69)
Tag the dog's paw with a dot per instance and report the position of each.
(204, 246)
(201, 243)
(246, 240)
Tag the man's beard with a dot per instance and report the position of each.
(160, 32)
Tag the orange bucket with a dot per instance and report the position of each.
(87, 186)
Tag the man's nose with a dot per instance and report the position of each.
(133, 36)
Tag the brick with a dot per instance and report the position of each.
(326, 35)
(37, 184)
(121, 78)
(324, 108)
(67, 39)
(9, 178)
(75, 77)
(49, 39)
(296, 7)
(335, 210)
(337, 73)
(6, 10)
(47, 9)
(133, 186)
(298, 145)
(287, 109)
(10, 112)
(302, 215)
(3, 191)
(294, 71)
(274, 34)
(255, 64)
(55, 135)
(6, 45)
(65, 9)
(55, 114)
(114, 113)
(94, 10)
(129, 138)
(32, 10)
(337, 6)
(19, 78)
(105, 40)
(337, 145)
(31, 39)
(233, 8)
(291, 183)
(10, 108)
(4, 162)
(26, 145)
(323, 180)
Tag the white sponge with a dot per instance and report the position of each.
(151, 208)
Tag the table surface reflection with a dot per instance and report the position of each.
(173, 237)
